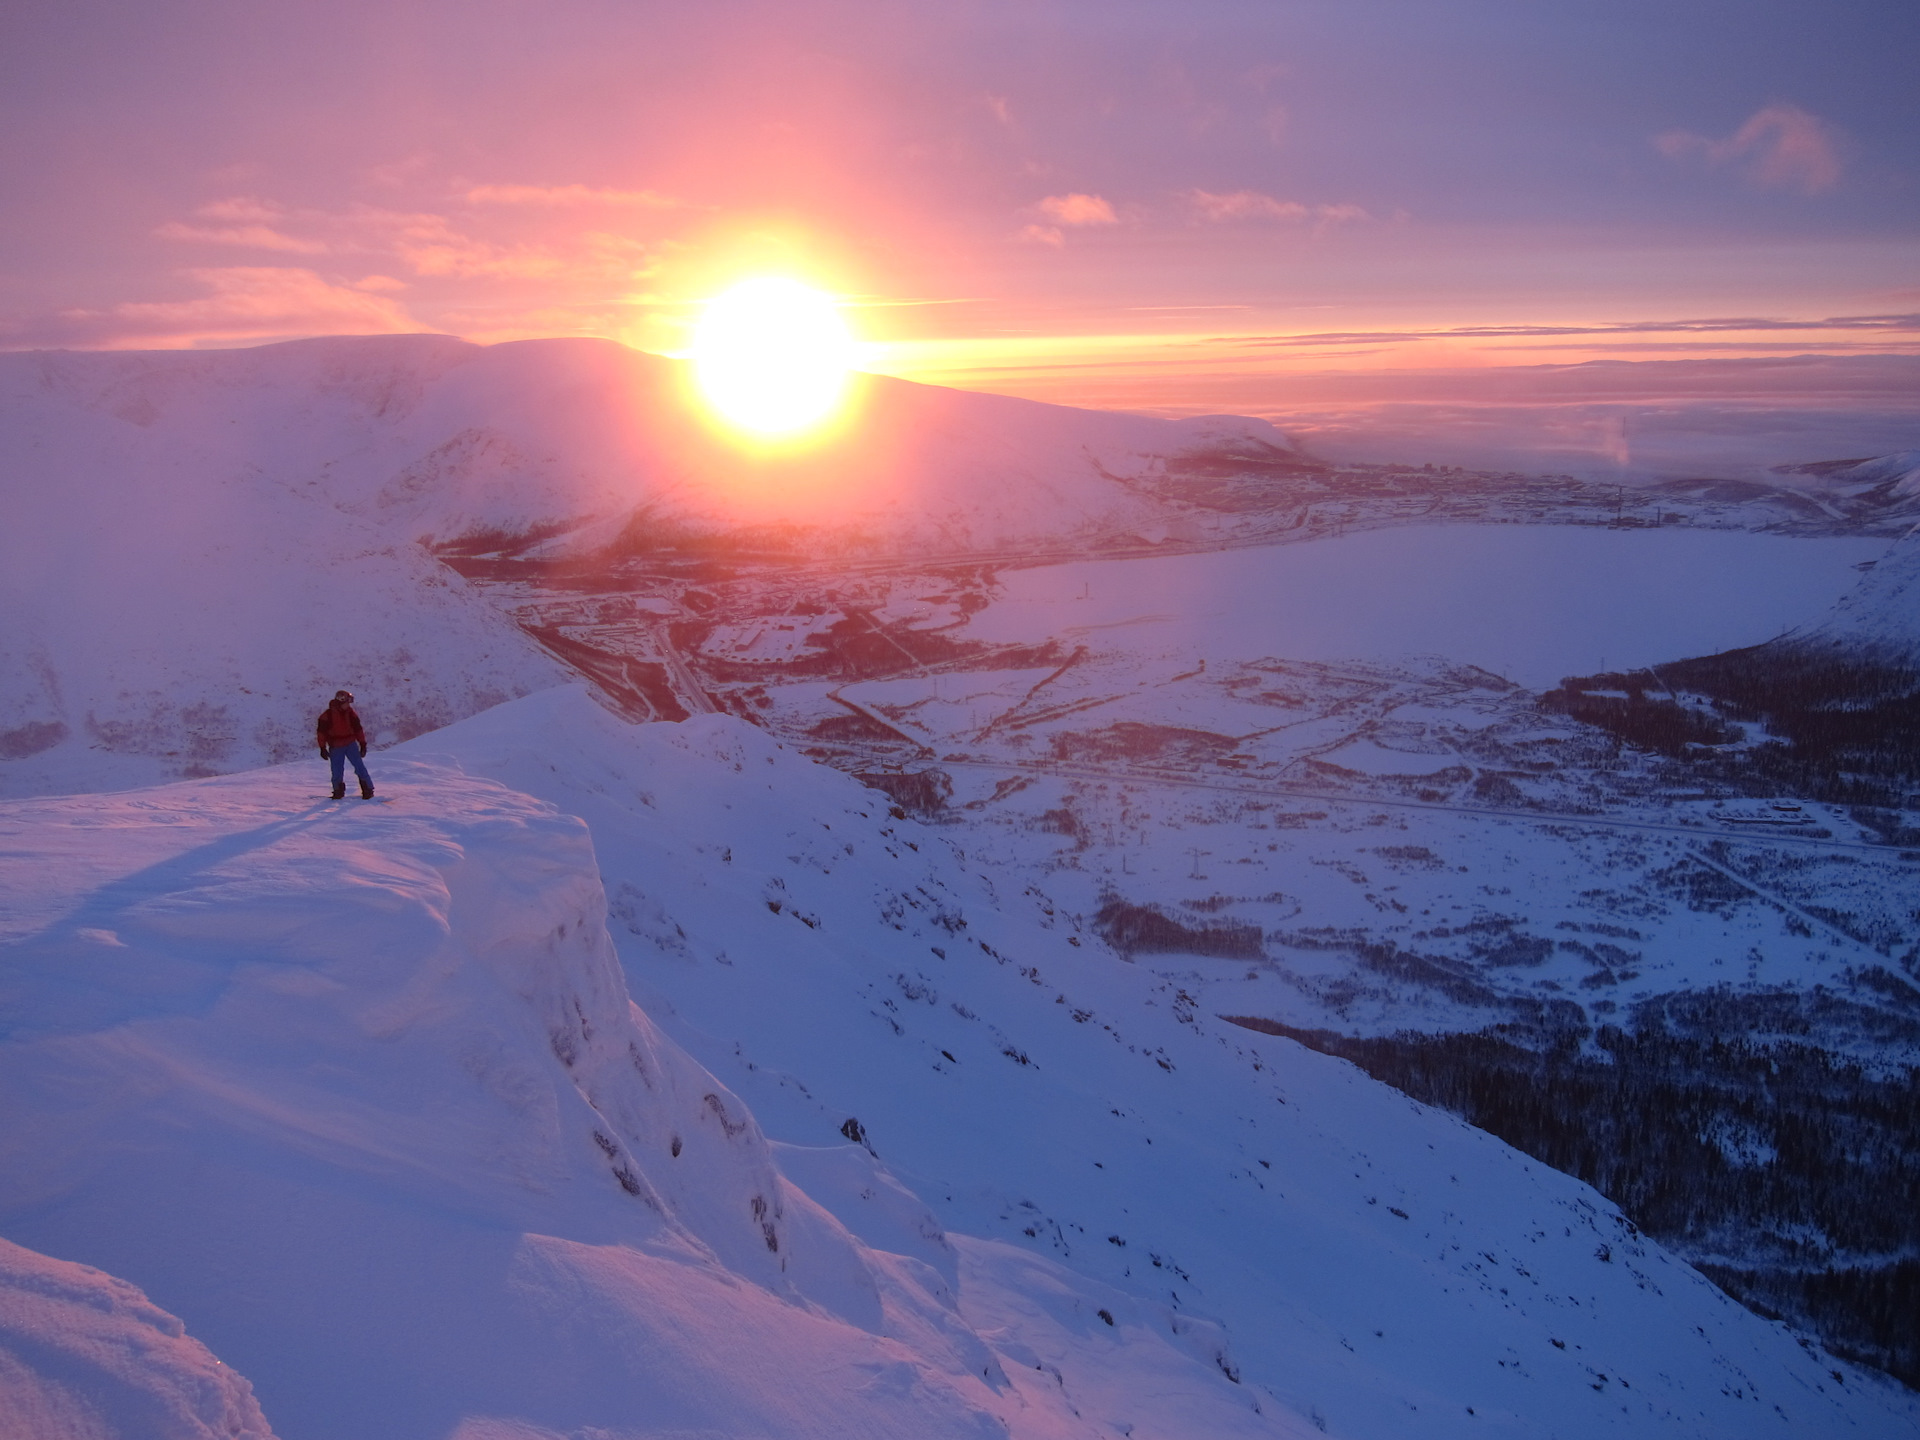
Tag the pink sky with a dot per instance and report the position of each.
(1164, 206)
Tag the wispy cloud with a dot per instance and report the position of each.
(1077, 209)
(1221, 208)
(1245, 205)
(242, 222)
(1781, 147)
(554, 197)
(1904, 324)
(240, 303)
(431, 245)
(246, 237)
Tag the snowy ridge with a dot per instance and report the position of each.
(358, 1093)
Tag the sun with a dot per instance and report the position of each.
(772, 356)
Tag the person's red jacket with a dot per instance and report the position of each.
(338, 725)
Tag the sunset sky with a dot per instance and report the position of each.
(1168, 206)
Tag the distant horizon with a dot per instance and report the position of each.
(1745, 417)
(1142, 206)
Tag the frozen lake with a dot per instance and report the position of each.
(1530, 602)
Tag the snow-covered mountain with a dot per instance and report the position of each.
(1880, 618)
(201, 547)
(359, 1097)
(577, 441)
(1886, 486)
(358, 1094)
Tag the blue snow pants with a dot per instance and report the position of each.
(339, 758)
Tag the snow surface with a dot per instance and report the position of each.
(84, 1356)
(201, 547)
(1532, 603)
(357, 1092)
(360, 1094)
(1882, 613)
(1385, 1262)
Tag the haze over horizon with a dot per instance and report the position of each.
(1221, 207)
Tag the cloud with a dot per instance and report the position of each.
(240, 221)
(1902, 324)
(569, 196)
(1077, 209)
(1042, 235)
(430, 245)
(253, 237)
(1236, 205)
(242, 303)
(1781, 147)
(1245, 205)
(242, 210)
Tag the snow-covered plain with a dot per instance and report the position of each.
(1533, 603)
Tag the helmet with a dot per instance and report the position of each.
(346, 695)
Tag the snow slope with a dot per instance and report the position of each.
(1881, 615)
(358, 1093)
(1372, 1265)
(84, 1356)
(201, 547)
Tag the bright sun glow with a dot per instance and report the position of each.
(772, 356)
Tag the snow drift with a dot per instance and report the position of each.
(84, 1356)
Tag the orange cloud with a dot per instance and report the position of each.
(1042, 235)
(1245, 205)
(559, 196)
(1782, 147)
(254, 237)
(431, 246)
(242, 303)
(1078, 209)
(1252, 205)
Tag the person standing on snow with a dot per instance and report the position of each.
(342, 738)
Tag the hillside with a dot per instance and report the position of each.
(201, 547)
(359, 1095)
(396, 1123)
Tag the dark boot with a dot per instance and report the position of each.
(366, 789)
(340, 791)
